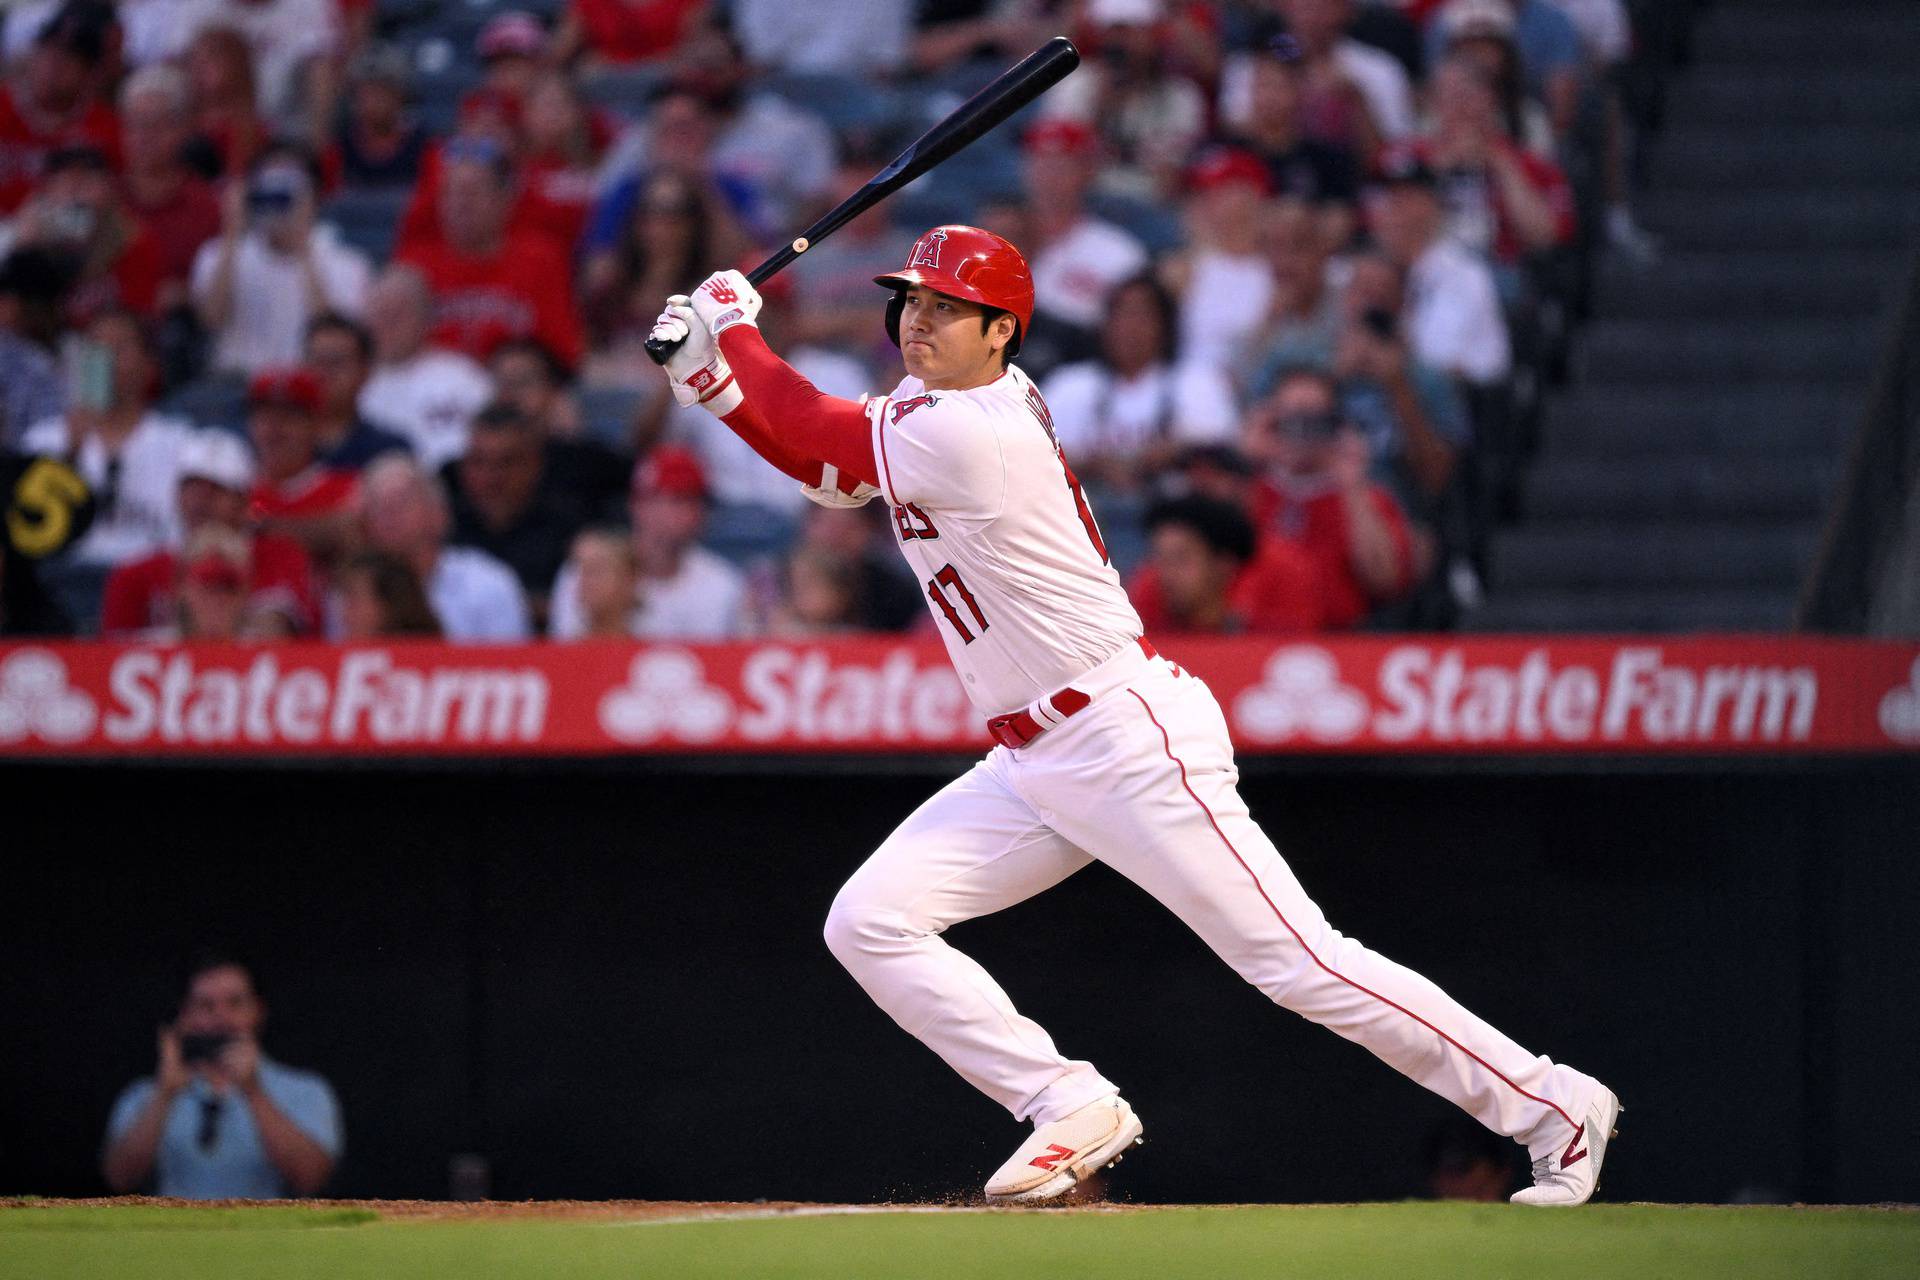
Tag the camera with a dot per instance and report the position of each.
(203, 1048)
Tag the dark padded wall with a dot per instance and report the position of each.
(611, 982)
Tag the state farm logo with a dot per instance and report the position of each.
(666, 693)
(36, 700)
(1300, 694)
(1447, 695)
(1900, 709)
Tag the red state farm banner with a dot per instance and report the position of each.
(1354, 695)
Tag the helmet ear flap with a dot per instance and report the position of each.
(895, 305)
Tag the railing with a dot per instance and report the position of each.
(1865, 578)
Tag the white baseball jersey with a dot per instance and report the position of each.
(997, 531)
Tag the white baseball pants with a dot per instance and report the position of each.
(1144, 781)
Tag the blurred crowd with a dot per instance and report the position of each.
(325, 317)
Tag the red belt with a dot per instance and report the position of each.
(1017, 728)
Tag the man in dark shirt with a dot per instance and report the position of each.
(503, 504)
(1273, 126)
(340, 353)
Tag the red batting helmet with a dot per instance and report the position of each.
(965, 262)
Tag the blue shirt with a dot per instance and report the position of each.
(235, 1164)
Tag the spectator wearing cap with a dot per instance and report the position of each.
(218, 1118)
(1537, 42)
(174, 205)
(425, 394)
(1209, 573)
(1263, 111)
(1223, 279)
(339, 352)
(685, 591)
(1122, 415)
(1314, 491)
(1504, 204)
(502, 504)
(1147, 117)
(512, 48)
(1453, 319)
(490, 282)
(377, 144)
(597, 34)
(127, 451)
(33, 288)
(858, 38)
(382, 597)
(295, 493)
(53, 100)
(734, 474)
(77, 213)
(770, 162)
(1411, 415)
(405, 514)
(216, 476)
(274, 267)
(1077, 257)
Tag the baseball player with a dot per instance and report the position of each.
(1106, 749)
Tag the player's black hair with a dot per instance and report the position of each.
(1224, 527)
(898, 304)
(334, 322)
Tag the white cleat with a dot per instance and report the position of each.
(1058, 1155)
(1570, 1175)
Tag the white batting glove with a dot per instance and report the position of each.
(725, 299)
(829, 495)
(696, 372)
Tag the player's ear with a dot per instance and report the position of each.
(1000, 330)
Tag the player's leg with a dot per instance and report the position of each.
(972, 849)
(1147, 785)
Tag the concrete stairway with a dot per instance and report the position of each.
(1682, 477)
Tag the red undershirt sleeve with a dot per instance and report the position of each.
(747, 423)
(812, 424)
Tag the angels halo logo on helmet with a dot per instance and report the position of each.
(970, 264)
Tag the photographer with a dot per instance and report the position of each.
(219, 1119)
(273, 268)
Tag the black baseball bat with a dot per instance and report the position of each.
(1012, 90)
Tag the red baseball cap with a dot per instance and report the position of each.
(1061, 138)
(672, 470)
(288, 385)
(512, 35)
(1224, 166)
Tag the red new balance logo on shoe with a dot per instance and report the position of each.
(1570, 1157)
(1056, 1153)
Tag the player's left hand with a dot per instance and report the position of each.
(696, 371)
(725, 299)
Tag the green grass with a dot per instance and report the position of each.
(1641, 1242)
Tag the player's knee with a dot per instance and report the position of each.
(857, 927)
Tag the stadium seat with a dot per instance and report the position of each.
(215, 400)
(747, 532)
(607, 414)
(368, 218)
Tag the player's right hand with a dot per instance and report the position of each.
(696, 371)
(724, 299)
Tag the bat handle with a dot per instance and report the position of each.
(660, 351)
